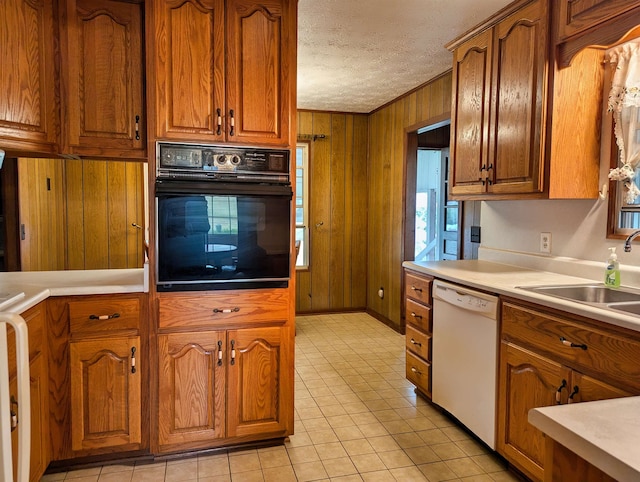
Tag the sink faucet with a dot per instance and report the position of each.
(627, 243)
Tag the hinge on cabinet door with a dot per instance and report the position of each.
(23, 232)
(48, 184)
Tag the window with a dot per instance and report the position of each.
(302, 205)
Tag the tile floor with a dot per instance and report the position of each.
(357, 419)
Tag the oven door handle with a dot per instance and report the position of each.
(223, 188)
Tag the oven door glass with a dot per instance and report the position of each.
(223, 240)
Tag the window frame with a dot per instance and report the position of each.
(302, 261)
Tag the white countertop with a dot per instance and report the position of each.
(504, 279)
(606, 433)
(39, 285)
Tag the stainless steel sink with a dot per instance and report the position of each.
(591, 293)
(632, 308)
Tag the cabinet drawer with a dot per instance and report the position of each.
(609, 354)
(177, 310)
(418, 343)
(418, 314)
(419, 373)
(417, 287)
(104, 314)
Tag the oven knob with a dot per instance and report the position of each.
(220, 160)
(235, 160)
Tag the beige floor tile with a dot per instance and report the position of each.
(464, 467)
(375, 429)
(504, 477)
(472, 447)
(478, 478)
(434, 436)
(187, 470)
(309, 413)
(333, 450)
(244, 462)
(77, 474)
(420, 423)
(489, 463)
(337, 421)
(109, 469)
(397, 426)
(378, 476)
(368, 462)
(149, 474)
(408, 474)
(320, 423)
(357, 447)
(348, 433)
(422, 455)
(364, 418)
(408, 440)
(387, 415)
(118, 477)
(277, 457)
(213, 465)
(86, 478)
(333, 410)
(323, 436)
(339, 467)
(325, 401)
(309, 471)
(448, 451)
(300, 455)
(53, 477)
(354, 407)
(248, 476)
(215, 478)
(279, 474)
(385, 443)
(437, 471)
(395, 458)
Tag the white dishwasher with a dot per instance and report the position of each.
(464, 357)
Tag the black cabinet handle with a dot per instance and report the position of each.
(413, 288)
(226, 310)
(233, 352)
(566, 342)
(219, 353)
(219, 121)
(573, 393)
(133, 359)
(137, 128)
(559, 391)
(232, 123)
(104, 317)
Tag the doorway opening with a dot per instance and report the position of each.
(434, 224)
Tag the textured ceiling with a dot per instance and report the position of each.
(357, 55)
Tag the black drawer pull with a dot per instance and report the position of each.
(416, 371)
(226, 310)
(104, 317)
(413, 342)
(415, 315)
(566, 342)
(413, 288)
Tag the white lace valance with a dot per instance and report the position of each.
(624, 104)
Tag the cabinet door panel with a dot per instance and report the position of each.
(469, 122)
(189, 63)
(518, 92)
(579, 15)
(527, 381)
(259, 381)
(104, 78)
(191, 388)
(39, 459)
(258, 76)
(28, 118)
(590, 389)
(105, 394)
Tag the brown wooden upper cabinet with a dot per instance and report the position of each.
(584, 23)
(103, 79)
(505, 93)
(28, 108)
(200, 96)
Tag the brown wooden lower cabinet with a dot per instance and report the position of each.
(105, 394)
(549, 358)
(223, 384)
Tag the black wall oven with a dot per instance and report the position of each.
(222, 217)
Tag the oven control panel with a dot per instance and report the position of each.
(220, 162)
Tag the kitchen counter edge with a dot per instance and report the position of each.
(506, 280)
(37, 286)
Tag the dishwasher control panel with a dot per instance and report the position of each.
(465, 298)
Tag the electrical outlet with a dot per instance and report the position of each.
(545, 242)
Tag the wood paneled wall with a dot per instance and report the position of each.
(104, 200)
(337, 274)
(78, 214)
(388, 128)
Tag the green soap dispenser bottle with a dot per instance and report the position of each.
(612, 273)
